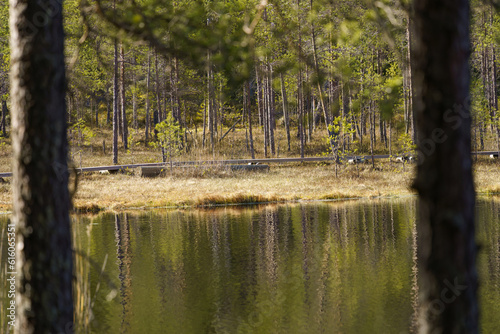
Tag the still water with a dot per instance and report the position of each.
(302, 268)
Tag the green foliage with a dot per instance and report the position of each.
(392, 88)
(407, 147)
(169, 136)
(84, 133)
(360, 48)
(340, 143)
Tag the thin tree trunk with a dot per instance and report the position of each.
(184, 125)
(390, 140)
(157, 118)
(372, 131)
(115, 104)
(204, 123)
(134, 103)
(285, 110)
(272, 121)
(300, 98)
(122, 98)
(96, 113)
(411, 88)
(4, 114)
(108, 111)
(210, 105)
(148, 81)
(300, 105)
(265, 113)
(250, 134)
(41, 202)
(259, 95)
(176, 91)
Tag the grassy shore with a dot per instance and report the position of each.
(217, 186)
(206, 187)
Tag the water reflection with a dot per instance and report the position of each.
(287, 269)
(315, 268)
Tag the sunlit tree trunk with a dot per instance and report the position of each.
(158, 112)
(285, 110)
(123, 110)
(444, 177)
(271, 118)
(204, 123)
(265, 112)
(148, 82)
(40, 172)
(259, 93)
(210, 104)
(134, 103)
(116, 125)
(248, 108)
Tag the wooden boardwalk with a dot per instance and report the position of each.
(228, 162)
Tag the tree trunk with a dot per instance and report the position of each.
(40, 171)
(285, 110)
(300, 112)
(116, 125)
(177, 115)
(411, 88)
(210, 104)
(203, 139)
(270, 106)
(96, 112)
(258, 92)
(248, 106)
(444, 176)
(265, 112)
(158, 111)
(134, 104)
(4, 114)
(108, 110)
(148, 81)
(372, 131)
(123, 111)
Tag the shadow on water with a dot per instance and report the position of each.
(302, 268)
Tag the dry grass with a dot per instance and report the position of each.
(219, 186)
(281, 183)
(201, 187)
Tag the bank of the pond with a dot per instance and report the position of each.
(197, 188)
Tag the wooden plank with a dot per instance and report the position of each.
(249, 167)
(228, 162)
(152, 171)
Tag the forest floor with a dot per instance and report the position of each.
(282, 183)
(218, 186)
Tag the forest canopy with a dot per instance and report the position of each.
(287, 66)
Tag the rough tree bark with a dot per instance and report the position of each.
(40, 171)
(444, 178)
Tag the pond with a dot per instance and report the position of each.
(301, 268)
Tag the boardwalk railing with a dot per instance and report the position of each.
(227, 162)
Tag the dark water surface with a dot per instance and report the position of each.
(304, 268)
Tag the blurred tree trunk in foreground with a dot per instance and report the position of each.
(40, 180)
(444, 178)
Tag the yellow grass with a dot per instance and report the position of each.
(217, 186)
(281, 183)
